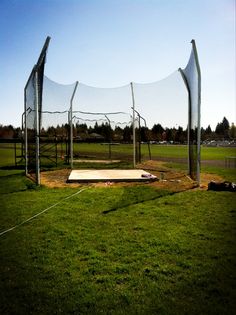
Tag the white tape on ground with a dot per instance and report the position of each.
(41, 212)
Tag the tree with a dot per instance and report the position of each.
(208, 130)
(157, 131)
(222, 129)
(144, 134)
(127, 133)
(225, 124)
(180, 135)
(232, 131)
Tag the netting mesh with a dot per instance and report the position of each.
(125, 115)
(56, 96)
(93, 99)
(108, 113)
(114, 109)
(106, 128)
(163, 102)
(56, 107)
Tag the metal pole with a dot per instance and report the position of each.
(145, 123)
(134, 138)
(15, 153)
(22, 128)
(189, 120)
(56, 149)
(139, 137)
(139, 140)
(37, 129)
(109, 122)
(71, 138)
(199, 112)
(71, 125)
(25, 136)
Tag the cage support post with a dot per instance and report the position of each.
(199, 112)
(25, 136)
(189, 121)
(110, 138)
(198, 162)
(71, 125)
(37, 130)
(134, 138)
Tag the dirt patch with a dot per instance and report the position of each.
(168, 178)
(56, 178)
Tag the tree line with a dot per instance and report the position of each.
(82, 132)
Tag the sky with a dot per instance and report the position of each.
(110, 43)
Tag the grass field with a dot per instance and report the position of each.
(119, 249)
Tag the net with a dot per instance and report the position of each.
(107, 129)
(163, 101)
(93, 99)
(111, 110)
(163, 108)
(55, 129)
(122, 115)
(120, 119)
(56, 96)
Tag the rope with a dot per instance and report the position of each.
(41, 212)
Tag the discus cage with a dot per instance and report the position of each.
(60, 121)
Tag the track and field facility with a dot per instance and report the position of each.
(162, 247)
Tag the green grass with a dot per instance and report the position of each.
(122, 151)
(119, 250)
(170, 151)
(116, 250)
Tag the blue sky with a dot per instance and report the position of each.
(109, 43)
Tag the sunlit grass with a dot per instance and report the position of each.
(116, 249)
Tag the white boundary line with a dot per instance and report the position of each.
(41, 212)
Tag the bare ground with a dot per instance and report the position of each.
(167, 178)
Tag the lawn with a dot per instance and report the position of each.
(119, 249)
(168, 151)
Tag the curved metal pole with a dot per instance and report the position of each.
(189, 117)
(199, 111)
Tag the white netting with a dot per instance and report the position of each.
(56, 97)
(118, 114)
(107, 113)
(103, 100)
(163, 102)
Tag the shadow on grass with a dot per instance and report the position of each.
(136, 195)
(11, 167)
(12, 182)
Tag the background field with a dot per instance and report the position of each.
(118, 249)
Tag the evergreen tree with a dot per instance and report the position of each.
(222, 129)
(232, 131)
